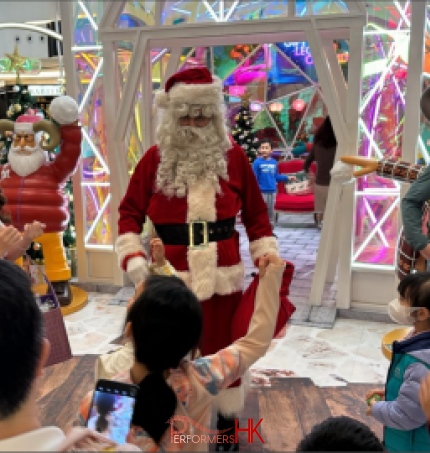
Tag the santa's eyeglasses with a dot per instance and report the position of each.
(198, 121)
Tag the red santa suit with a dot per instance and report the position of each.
(215, 272)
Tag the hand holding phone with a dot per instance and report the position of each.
(111, 409)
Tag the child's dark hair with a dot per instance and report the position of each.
(105, 404)
(269, 142)
(166, 323)
(416, 289)
(340, 434)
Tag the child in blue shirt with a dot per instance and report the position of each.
(266, 172)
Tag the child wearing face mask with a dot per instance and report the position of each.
(405, 423)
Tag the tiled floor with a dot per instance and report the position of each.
(330, 357)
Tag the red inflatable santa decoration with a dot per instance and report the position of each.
(192, 185)
(34, 187)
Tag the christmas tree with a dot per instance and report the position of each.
(242, 129)
(19, 104)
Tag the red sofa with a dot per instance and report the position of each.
(293, 204)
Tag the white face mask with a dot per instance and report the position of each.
(401, 314)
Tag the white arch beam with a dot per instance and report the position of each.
(43, 31)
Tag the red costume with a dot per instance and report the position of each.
(40, 196)
(214, 271)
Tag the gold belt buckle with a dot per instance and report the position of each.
(205, 242)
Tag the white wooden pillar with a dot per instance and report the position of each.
(66, 11)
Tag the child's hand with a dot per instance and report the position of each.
(371, 400)
(425, 396)
(265, 260)
(33, 230)
(369, 409)
(10, 237)
(157, 251)
(373, 392)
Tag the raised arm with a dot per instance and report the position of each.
(222, 369)
(67, 159)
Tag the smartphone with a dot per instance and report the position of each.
(111, 409)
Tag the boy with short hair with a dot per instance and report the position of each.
(24, 351)
(266, 172)
(340, 434)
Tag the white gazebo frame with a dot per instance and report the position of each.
(342, 101)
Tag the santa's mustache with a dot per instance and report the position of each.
(25, 149)
(191, 136)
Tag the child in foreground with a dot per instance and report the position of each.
(340, 434)
(165, 324)
(398, 405)
(108, 365)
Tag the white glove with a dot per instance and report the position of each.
(137, 269)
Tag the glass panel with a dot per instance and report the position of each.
(251, 75)
(376, 229)
(424, 138)
(94, 140)
(388, 15)
(88, 14)
(124, 50)
(137, 14)
(385, 68)
(265, 127)
(94, 163)
(199, 56)
(299, 54)
(255, 10)
(329, 7)
(97, 210)
(228, 58)
(286, 76)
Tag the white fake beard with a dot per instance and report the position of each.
(188, 155)
(24, 165)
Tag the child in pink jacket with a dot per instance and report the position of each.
(174, 403)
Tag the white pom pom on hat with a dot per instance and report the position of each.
(64, 110)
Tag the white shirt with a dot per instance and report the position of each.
(42, 439)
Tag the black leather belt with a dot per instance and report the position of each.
(195, 234)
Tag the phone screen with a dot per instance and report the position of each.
(112, 409)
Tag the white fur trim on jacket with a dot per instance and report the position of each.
(201, 94)
(261, 246)
(201, 201)
(126, 244)
(231, 401)
(228, 280)
(202, 263)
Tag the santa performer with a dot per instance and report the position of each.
(34, 187)
(192, 185)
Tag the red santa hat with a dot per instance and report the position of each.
(192, 86)
(24, 123)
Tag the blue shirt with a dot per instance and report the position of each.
(266, 172)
